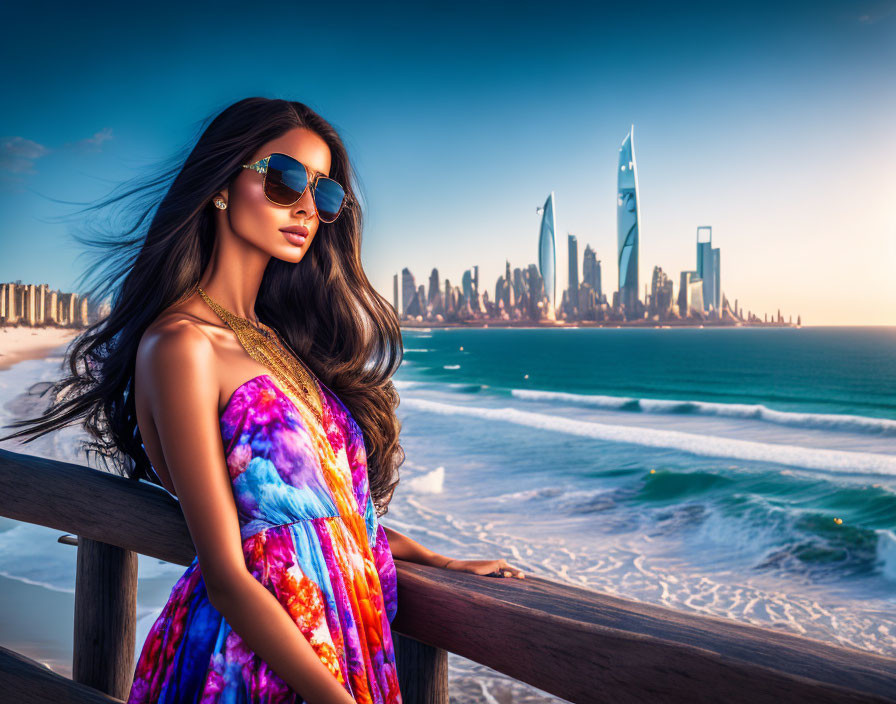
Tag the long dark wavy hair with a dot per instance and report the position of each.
(347, 333)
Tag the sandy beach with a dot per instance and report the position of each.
(18, 343)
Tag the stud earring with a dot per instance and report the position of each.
(219, 203)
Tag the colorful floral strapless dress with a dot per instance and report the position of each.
(311, 536)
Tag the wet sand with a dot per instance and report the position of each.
(18, 343)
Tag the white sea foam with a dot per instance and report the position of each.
(638, 565)
(833, 461)
(822, 421)
(406, 383)
(430, 483)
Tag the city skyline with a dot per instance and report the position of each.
(748, 120)
(531, 295)
(522, 296)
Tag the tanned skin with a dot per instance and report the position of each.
(189, 364)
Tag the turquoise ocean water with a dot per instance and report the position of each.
(700, 469)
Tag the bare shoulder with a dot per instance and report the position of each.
(174, 340)
(175, 354)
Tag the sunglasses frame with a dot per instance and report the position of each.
(261, 166)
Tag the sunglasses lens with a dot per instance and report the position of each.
(285, 180)
(328, 198)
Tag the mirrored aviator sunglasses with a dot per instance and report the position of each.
(286, 178)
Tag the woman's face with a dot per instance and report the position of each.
(254, 218)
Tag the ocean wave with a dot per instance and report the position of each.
(407, 383)
(886, 553)
(832, 461)
(429, 483)
(750, 411)
(638, 565)
(457, 387)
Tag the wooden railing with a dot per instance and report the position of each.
(580, 645)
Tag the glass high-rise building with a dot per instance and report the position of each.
(466, 282)
(628, 223)
(708, 265)
(547, 254)
(573, 270)
(433, 286)
(408, 289)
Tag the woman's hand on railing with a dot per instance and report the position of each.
(489, 568)
(403, 548)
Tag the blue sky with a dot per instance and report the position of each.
(770, 122)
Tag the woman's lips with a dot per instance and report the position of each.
(295, 235)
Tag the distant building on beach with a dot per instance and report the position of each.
(36, 304)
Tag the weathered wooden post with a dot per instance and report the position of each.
(422, 670)
(105, 617)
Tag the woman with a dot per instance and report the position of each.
(245, 366)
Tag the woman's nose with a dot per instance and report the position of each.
(306, 203)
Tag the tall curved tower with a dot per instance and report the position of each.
(547, 256)
(628, 223)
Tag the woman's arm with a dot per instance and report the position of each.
(403, 548)
(176, 368)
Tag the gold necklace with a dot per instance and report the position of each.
(265, 345)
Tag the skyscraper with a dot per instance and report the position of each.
(408, 289)
(690, 294)
(591, 271)
(717, 279)
(708, 264)
(433, 292)
(547, 255)
(628, 221)
(660, 292)
(573, 270)
(410, 303)
(395, 293)
(466, 282)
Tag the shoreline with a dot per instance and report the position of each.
(21, 343)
